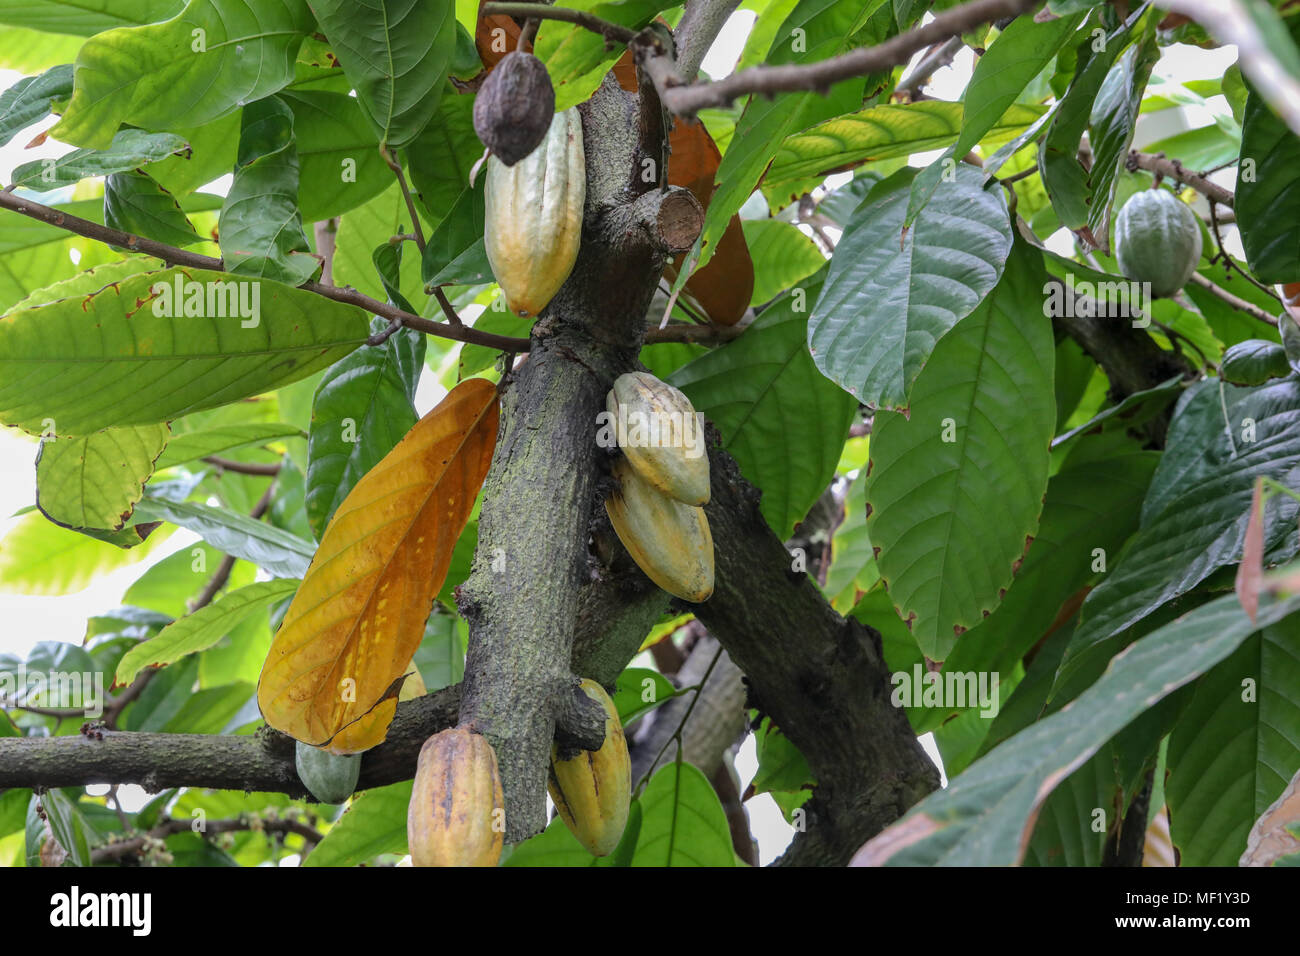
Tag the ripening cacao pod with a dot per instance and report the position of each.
(592, 789)
(533, 216)
(1158, 240)
(514, 106)
(670, 541)
(329, 777)
(661, 435)
(456, 809)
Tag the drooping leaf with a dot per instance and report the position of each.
(395, 53)
(441, 158)
(165, 344)
(890, 295)
(30, 99)
(956, 488)
(1268, 194)
(215, 441)
(130, 148)
(340, 166)
(360, 613)
(276, 551)
(228, 52)
(134, 203)
(93, 482)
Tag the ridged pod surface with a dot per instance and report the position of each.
(513, 105)
(592, 790)
(329, 777)
(670, 452)
(533, 216)
(454, 799)
(670, 541)
(1157, 240)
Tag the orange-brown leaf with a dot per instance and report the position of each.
(487, 39)
(359, 615)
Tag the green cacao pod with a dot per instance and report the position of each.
(456, 813)
(533, 222)
(593, 788)
(329, 777)
(660, 433)
(670, 541)
(514, 106)
(1157, 240)
(1254, 362)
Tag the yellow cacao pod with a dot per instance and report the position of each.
(533, 223)
(662, 436)
(592, 789)
(453, 817)
(670, 541)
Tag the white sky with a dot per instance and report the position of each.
(26, 620)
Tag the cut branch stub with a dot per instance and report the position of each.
(678, 221)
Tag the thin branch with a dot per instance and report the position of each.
(396, 167)
(1175, 170)
(935, 59)
(1236, 302)
(693, 334)
(686, 100)
(527, 35)
(135, 845)
(243, 467)
(181, 257)
(699, 26)
(452, 316)
(612, 32)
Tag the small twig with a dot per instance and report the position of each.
(610, 31)
(935, 59)
(526, 36)
(134, 845)
(243, 467)
(682, 304)
(1237, 303)
(1229, 264)
(379, 338)
(1016, 177)
(396, 167)
(1173, 169)
(681, 724)
(326, 237)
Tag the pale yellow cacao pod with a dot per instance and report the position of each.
(662, 436)
(533, 223)
(670, 541)
(456, 814)
(592, 790)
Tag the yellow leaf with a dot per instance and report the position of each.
(359, 615)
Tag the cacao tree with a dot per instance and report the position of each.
(492, 404)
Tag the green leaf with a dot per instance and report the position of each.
(984, 816)
(1254, 362)
(213, 149)
(225, 438)
(130, 148)
(167, 586)
(1235, 748)
(373, 824)
(957, 487)
(360, 231)
(891, 295)
(460, 230)
(227, 52)
(754, 389)
(555, 846)
(260, 226)
(202, 629)
(134, 203)
(682, 823)
(577, 58)
(93, 482)
(440, 658)
(440, 160)
(1064, 834)
(782, 255)
(338, 155)
(185, 351)
(363, 407)
(210, 710)
(276, 551)
(395, 53)
(1221, 439)
(85, 19)
(1268, 194)
(780, 764)
(39, 557)
(476, 358)
(68, 826)
(31, 99)
(632, 688)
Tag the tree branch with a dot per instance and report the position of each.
(1173, 169)
(1254, 311)
(699, 26)
(612, 32)
(133, 846)
(180, 257)
(243, 467)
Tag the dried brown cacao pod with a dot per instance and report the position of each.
(513, 108)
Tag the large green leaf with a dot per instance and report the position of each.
(364, 405)
(276, 551)
(782, 255)
(1235, 747)
(30, 99)
(577, 58)
(956, 488)
(395, 53)
(1195, 513)
(891, 295)
(338, 155)
(94, 481)
(374, 823)
(35, 254)
(1268, 194)
(213, 149)
(261, 227)
(134, 203)
(985, 815)
(85, 17)
(169, 585)
(441, 159)
(781, 419)
(130, 148)
(224, 438)
(682, 822)
(212, 58)
(202, 629)
(150, 363)
(39, 557)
